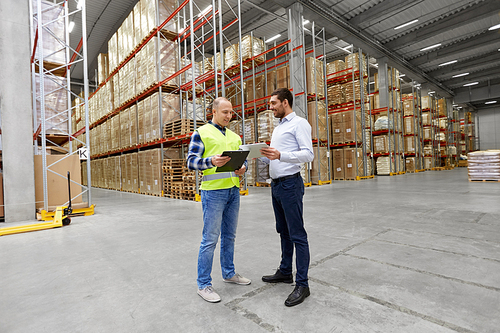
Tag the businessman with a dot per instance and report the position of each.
(291, 145)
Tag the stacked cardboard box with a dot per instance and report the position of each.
(409, 144)
(283, 77)
(338, 164)
(409, 125)
(484, 165)
(352, 61)
(337, 128)
(259, 89)
(252, 47)
(410, 164)
(354, 158)
(408, 107)
(354, 92)
(102, 67)
(383, 143)
(271, 82)
(387, 165)
(250, 130)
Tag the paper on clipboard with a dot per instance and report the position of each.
(254, 149)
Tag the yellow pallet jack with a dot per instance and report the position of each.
(60, 216)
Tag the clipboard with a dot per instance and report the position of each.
(238, 157)
(254, 149)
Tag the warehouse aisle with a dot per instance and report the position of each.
(414, 253)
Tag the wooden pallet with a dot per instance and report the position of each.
(179, 127)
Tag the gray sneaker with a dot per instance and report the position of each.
(238, 279)
(209, 294)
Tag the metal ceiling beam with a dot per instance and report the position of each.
(470, 14)
(486, 38)
(468, 65)
(483, 75)
(335, 24)
(381, 11)
(480, 94)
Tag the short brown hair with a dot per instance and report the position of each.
(284, 93)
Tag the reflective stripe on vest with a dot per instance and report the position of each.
(220, 175)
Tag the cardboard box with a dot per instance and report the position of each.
(426, 102)
(354, 157)
(57, 187)
(283, 77)
(338, 164)
(410, 164)
(335, 94)
(335, 68)
(315, 82)
(409, 125)
(266, 124)
(337, 127)
(408, 107)
(271, 82)
(409, 144)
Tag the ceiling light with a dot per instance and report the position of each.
(273, 38)
(455, 104)
(490, 102)
(431, 47)
(80, 4)
(402, 75)
(431, 92)
(448, 63)
(305, 22)
(459, 75)
(471, 84)
(205, 11)
(71, 26)
(495, 27)
(406, 24)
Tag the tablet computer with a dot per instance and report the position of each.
(254, 149)
(238, 157)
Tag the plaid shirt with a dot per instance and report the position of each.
(195, 161)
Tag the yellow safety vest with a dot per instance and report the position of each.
(215, 143)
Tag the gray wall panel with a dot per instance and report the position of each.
(489, 128)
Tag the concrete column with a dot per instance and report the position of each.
(383, 83)
(16, 111)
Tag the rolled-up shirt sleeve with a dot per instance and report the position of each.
(305, 154)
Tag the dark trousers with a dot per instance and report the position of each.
(288, 211)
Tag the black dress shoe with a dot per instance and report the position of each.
(297, 296)
(278, 277)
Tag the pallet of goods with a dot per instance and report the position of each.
(484, 165)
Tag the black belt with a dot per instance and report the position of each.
(277, 180)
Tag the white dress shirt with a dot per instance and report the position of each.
(292, 138)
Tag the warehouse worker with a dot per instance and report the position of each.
(291, 145)
(220, 197)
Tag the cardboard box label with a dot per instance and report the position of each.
(349, 165)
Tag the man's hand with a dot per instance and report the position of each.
(240, 171)
(218, 160)
(271, 153)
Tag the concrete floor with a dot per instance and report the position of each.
(413, 253)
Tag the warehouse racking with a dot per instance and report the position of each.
(52, 58)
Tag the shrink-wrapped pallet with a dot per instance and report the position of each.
(156, 128)
(409, 144)
(147, 121)
(427, 133)
(351, 94)
(383, 143)
(315, 81)
(249, 130)
(442, 107)
(231, 56)
(54, 52)
(115, 132)
(426, 102)
(170, 107)
(252, 47)
(352, 133)
(426, 118)
(262, 172)
(352, 61)
(335, 69)
(133, 124)
(267, 122)
(336, 94)
(56, 100)
(140, 121)
(387, 165)
(319, 166)
(124, 128)
(235, 126)
(409, 125)
(443, 123)
(102, 67)
(317, 117)
(250, 173)
(408, 107)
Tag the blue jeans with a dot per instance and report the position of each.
(220, 217)
(288, 211)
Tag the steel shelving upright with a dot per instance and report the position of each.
(52, 58)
